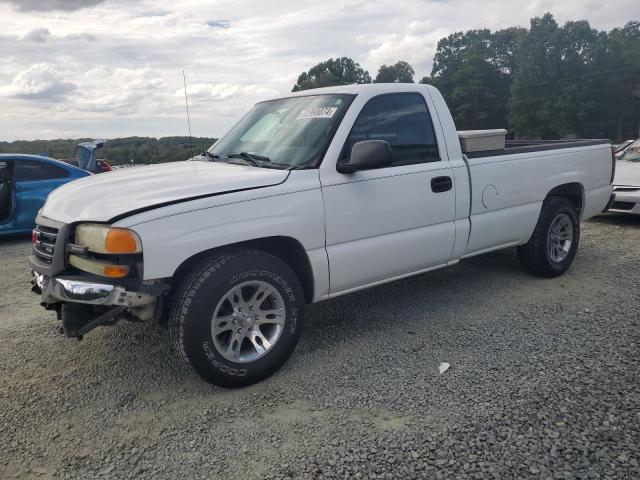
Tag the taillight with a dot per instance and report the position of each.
(613, 163)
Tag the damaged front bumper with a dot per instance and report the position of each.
(83, 305)
(84, 300)
(60, 289)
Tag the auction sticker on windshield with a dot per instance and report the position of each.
(321, 112)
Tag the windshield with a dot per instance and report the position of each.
(289, 132)
(632, 153)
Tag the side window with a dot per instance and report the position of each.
(28, 170)
(403, 120)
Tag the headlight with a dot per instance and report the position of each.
(104, 239)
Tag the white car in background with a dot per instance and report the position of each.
(626, 183)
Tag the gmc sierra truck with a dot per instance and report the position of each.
(309, 196)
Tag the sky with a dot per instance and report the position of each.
(113, 68)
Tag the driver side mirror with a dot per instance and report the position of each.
(367, 155)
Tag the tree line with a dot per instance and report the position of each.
(117, 151)
(547, 81)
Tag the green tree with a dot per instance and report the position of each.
(549, 97)
(619, 64)
(401, 72)
(338, 71)
(474, 70)
(546, 82)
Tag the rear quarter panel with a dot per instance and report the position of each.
(508, 191)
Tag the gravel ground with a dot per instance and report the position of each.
(544, 382)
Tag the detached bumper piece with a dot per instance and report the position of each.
(75, 323)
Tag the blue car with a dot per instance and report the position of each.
(25, 182)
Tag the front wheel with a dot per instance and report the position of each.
(237, 317)
(554, 242)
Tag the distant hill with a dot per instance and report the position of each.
(117, 151)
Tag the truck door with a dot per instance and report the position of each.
(394, 221)
(33, 181)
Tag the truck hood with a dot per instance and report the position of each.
(103, 197)
(627, 173)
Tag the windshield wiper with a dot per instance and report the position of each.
(212, 156)
(253, 158)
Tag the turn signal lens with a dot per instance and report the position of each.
(98, 267)
(119, 240)
(116, 271)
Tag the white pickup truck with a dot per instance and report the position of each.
(309, 196)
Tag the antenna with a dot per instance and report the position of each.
(186, 102)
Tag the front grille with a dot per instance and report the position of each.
(623, 205)
(45, 242)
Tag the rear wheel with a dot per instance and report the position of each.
(554, 242)
(237, 317)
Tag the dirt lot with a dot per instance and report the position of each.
(544, 382)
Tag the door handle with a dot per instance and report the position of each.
(441, 184)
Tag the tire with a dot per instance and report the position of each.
(546, 254)
(236, 348)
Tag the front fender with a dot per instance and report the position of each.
(170, 240)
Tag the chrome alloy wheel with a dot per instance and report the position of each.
(560, 238)
(248, 321)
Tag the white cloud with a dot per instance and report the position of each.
(46, 5)
(39, 35)
(122, 91)
(222, 91)
(38, 82)
(118, 64)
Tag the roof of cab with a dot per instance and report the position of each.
(370, 88)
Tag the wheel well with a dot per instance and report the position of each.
(573, 191)
(287, 249)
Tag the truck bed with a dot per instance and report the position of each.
(527, 146)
